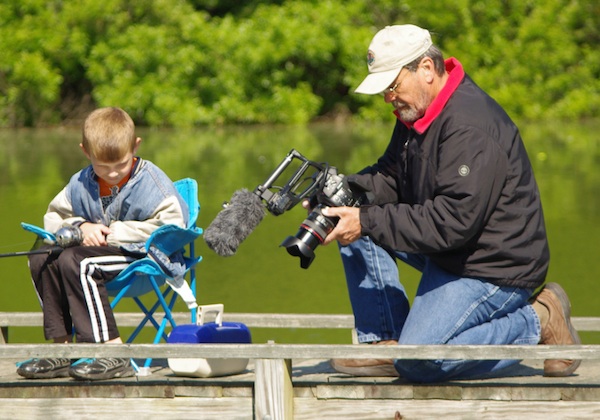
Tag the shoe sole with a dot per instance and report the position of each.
(565, 304)
(129, 371)
(56, 373)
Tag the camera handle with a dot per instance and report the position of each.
(291, 193)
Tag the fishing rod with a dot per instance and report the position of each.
(65, 237)
(49, 251)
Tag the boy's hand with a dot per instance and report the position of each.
(94, 234)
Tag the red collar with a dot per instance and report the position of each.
(455, 76)
(106, 189)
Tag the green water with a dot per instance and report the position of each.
(262, 277)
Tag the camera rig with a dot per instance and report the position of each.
(300, 185)
(322, 186)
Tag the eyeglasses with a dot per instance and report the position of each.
(396, 86)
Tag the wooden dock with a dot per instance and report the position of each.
(286, 381)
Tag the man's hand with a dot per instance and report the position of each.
(94, 234)
(348, 228)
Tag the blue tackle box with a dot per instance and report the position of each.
(209, 333)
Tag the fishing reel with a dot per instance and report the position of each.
(68, 236)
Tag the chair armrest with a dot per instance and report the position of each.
(172, 238)
(42, 233)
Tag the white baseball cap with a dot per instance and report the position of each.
(392, 48)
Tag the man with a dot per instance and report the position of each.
(456, 198)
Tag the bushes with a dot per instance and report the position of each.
(172, 63)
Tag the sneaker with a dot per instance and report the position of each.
(98, 369)
(44, 368)
(367, 367)
(558, 330)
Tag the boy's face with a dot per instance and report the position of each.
(113, 172)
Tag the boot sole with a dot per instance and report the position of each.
(375, 370)
(565, 304)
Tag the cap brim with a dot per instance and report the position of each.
(376, 83)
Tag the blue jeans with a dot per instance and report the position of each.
(448, 309)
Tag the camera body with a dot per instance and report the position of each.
(335, 192)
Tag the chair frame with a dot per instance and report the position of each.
(151, 271)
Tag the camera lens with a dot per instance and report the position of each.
(312, 232)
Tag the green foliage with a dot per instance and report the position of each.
(185, 63)
(537, 59)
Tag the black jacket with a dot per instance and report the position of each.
(458, 187)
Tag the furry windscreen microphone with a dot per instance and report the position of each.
(234, 223)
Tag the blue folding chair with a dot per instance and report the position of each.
(145, 275)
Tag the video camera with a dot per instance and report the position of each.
(322, 186)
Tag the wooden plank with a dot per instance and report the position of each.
(315, 379)
(274, 392)
(304, 408)
(117, 408)
(270, 320)
(300, 351)
(324, 395)
(255, 320)
(586, 323)
(308, 409)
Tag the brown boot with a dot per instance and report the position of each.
(367, 367)
(558, 330)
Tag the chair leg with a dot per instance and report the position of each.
(165, 302)
(167, 307)
(148, 318)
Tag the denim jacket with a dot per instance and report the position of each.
(147, 201)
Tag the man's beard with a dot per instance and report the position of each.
(411, 113)
(408, 114)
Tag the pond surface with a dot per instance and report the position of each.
(261, 277)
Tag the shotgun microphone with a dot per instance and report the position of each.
(234, 223)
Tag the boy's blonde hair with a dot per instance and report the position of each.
(108, 134)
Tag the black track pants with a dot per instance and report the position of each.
(71, 289)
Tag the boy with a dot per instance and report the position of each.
(116, 202)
